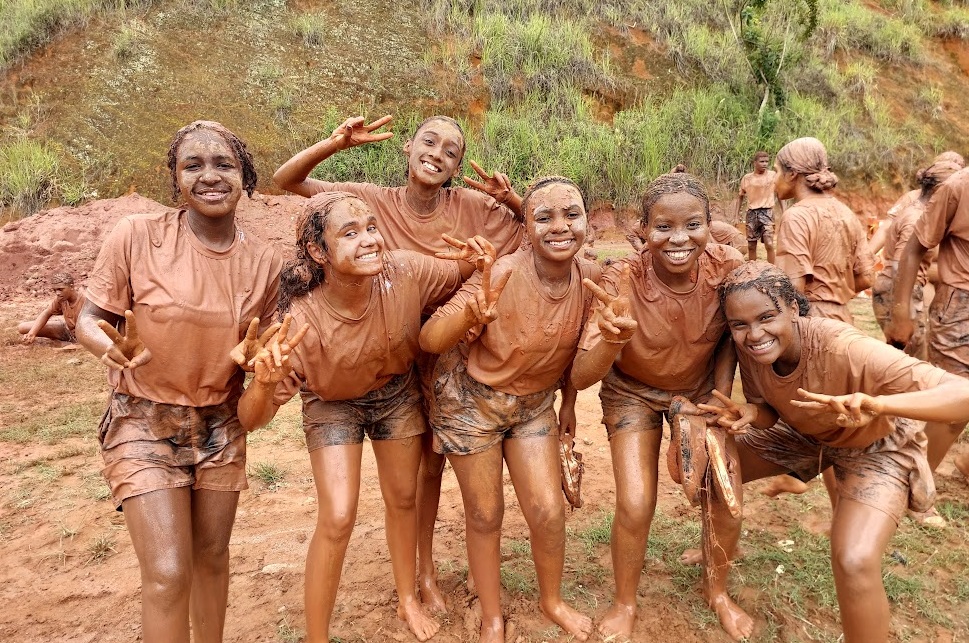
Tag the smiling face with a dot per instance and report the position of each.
(676, 234)
(764, 330)
(354, 247)
(208, 174)
(555, 222)
(434, 154)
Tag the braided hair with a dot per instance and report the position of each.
(236, 144)
(673, 183)
(765, 278)
(545, 181)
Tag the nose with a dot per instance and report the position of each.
(755, 333)
(560, 224)
(209, 175)
(679, 237)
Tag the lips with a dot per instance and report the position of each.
(430, 167)
(370, 256)
(211, 196)
(560, 244)
(762, 347)
(677, 256)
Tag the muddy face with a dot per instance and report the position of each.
(784, 186)
(434, 154)
(765, 331)
(761, 164)
(208, 174)
(676, 234)
(556, 222)
(354, 246)
(62, 292)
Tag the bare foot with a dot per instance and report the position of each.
(492, 631)
(573, 622)
(962, 464)
(422, 625)
(733, 619)
(617, 624)
(784, 484)
(694, 556)
(930, 518)
(430, 594)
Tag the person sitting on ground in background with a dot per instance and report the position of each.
(60, 317)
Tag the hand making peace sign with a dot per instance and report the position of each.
(126, 351)
(732, 416)
(483, 308)
(475, 251)
(615, 324)
(497, 185)
(356, 131)
(271, 364)
(854, 411)
(246, 350)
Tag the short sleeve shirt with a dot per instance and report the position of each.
(899, 232)
(534, 339)
(820, 237)
(674, 346)
(836, 359)
(759, 189)
(461, 213)
(192, 304)
(725, 234)
(945, 223)
(342, 358)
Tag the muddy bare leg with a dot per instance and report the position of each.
(213, 514)
(428, 500)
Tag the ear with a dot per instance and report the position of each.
(317, 253)
(407, 148)
(797, 310)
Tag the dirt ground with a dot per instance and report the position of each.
(68, 572)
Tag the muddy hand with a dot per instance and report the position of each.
(126, 351)
(272, 363)
(736, 418)
(474, 250)
(615, 324)
(249, 347)
(854, 411)
(497, 185)
(899, 332)
(356, 131)
(483, 307)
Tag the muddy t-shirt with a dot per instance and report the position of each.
(68, 310)
(461, 213)
(342, 358)
(836, 359)
(759, 189)
(725, 234)
(192, 304)
(820, 237)
(899, 232)
(534, 339)
(945, 223)
(903, 202)
(673, 348)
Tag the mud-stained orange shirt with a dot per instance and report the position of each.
(903, 202)
(192, 304)
(534, 339)
(836, 359)
(725, 234)
(342, 358)
(461, 213)
(70, 312)
(820, 237)
(673, 348)
(899, 232)
(759, 189)
(945, 223)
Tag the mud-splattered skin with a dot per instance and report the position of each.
(209, 177)
(676, 234)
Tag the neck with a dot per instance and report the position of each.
(215, 233)
(348, 294)
(677, 282)
(556, 275)
(421, 198)
(787, 363)
(802, 191)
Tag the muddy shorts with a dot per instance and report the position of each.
(760, 225)
(630, 405)
(470, 417)
(831, 310)
(890, 475)
(148, 446)
(391, 412)
(948, 336)
(882, 300)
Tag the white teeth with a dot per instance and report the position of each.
(368, 256)
(430, 167)
(560, 244)
(678, 255)
(762, 345)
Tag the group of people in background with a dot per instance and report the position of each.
(442, 322)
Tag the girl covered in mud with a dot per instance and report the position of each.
(169, 298)
(360, 307)
(822, 394)
(413, 217)
(681, 348)
(59, 319)
(493, 391)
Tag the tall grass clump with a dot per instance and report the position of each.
(28, 174)
(312, 28)
(849, 25)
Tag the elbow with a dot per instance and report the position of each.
(429, 342)
(581, 376)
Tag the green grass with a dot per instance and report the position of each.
(312, 28)
(51, 426)
(28, 174)
(270, 474)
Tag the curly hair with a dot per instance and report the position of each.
(673, 183)
(302, 274)
(62, 279)
(765, 278)
(236, 144)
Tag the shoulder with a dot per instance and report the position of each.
(469, 199)
(588, 269)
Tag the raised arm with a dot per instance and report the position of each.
(498, 186)
(616, 328)
(270, 366)
(293, 175)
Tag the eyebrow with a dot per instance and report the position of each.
(355, 222)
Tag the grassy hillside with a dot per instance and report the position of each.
(609, 92)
